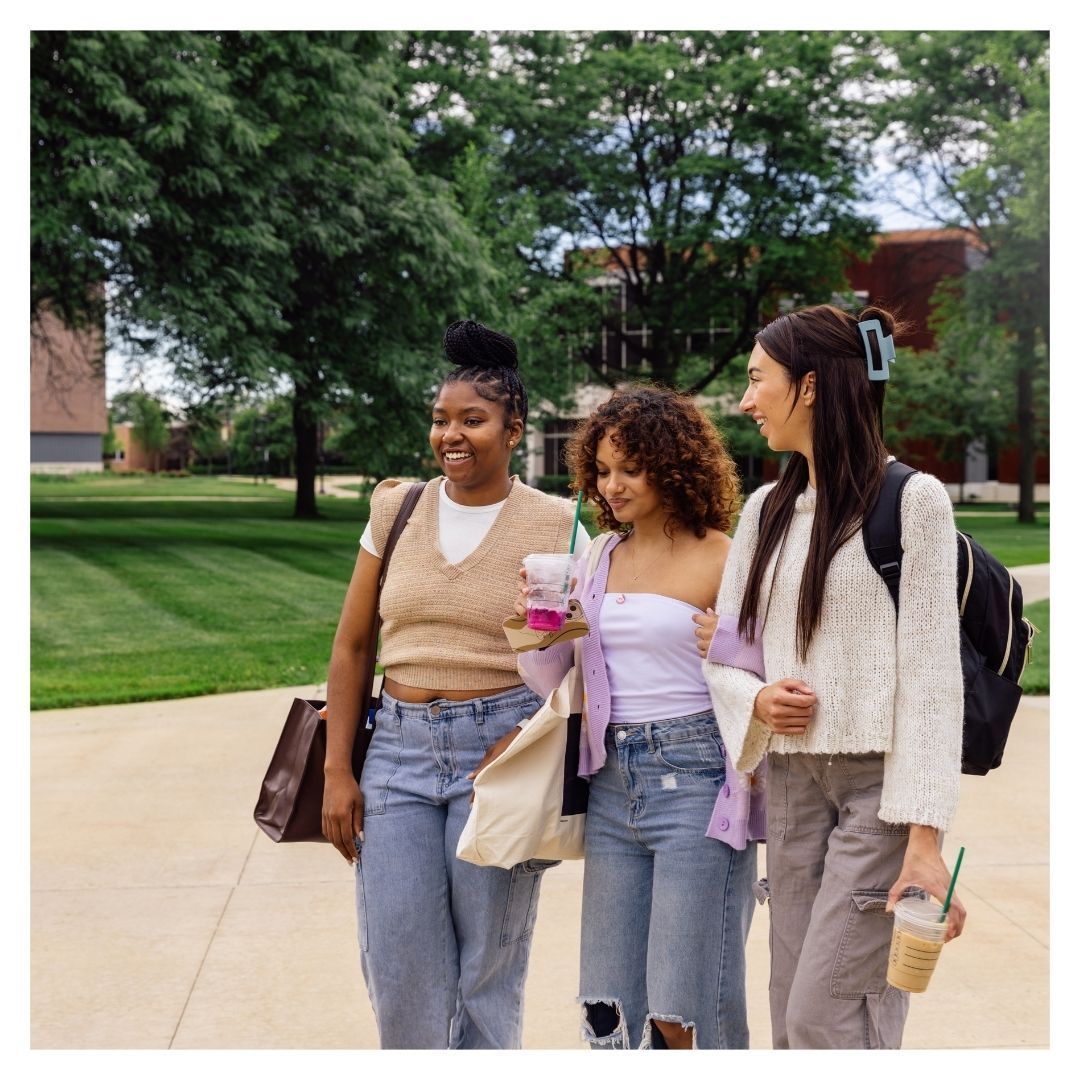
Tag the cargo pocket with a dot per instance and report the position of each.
(863, 954)
(521, 900)
(885, 1016)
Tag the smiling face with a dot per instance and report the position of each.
(769, 398)
(624, 485)
(471, 439)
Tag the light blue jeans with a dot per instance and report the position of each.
(666, 910)
(444, 945)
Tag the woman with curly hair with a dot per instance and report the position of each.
(668, 883)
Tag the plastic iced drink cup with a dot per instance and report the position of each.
(547, 577)
(916, 944)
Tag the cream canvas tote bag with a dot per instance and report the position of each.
(529, 802)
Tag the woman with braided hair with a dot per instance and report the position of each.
(444, 944)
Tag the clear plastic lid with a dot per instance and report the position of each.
(921, 917)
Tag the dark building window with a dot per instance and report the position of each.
(556, 435)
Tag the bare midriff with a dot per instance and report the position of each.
(416, 695)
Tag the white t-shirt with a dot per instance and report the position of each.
(462, 528)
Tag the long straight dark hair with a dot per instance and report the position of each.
(849, 451)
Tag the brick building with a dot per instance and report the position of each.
(903, 272)
(67, 398)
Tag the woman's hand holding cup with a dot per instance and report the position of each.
(519, 604)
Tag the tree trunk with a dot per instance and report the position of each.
(305, 429)
(1025, 423)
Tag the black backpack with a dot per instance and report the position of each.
(995, 638)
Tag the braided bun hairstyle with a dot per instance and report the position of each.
(487, 360)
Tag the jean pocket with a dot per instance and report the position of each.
(521, 900)
(381, 763)
(701, 755)
(863, 953)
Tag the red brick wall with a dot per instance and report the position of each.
(67, 380)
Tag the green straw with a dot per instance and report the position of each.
(952, 885)
(577, 518)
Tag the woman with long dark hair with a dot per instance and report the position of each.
(444, 944)
(861, 708)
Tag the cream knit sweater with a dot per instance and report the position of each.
(442, 622)
(884, 683)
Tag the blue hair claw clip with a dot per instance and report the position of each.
(878, 370)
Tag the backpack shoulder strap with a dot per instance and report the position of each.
(881, 528)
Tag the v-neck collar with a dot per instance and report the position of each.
(430, 524)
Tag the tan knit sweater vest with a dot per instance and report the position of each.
(442, 622)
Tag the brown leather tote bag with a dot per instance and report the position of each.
(290, 799)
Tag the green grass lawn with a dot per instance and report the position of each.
(134, 599)
(1012, 543)
(1036, 677)
(147, 588)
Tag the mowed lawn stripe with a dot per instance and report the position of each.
(80, 604)
(131, 608)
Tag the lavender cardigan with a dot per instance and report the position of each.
(739, 813)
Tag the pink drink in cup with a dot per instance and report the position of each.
(547, 578)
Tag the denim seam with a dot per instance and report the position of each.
(378, 806)
(519, 875)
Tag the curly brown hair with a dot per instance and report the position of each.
(682, 453)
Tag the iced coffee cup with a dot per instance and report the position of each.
(918, 934)
(547, 581)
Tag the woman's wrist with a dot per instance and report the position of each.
(923, 838)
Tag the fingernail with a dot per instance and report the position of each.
(361, 836)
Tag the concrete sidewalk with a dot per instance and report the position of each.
(162, 917)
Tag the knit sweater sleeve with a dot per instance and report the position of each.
(922, 771)
(733, 690)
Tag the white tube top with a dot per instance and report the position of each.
(653, 665)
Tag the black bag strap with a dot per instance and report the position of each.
(412, 497)
(881, 528)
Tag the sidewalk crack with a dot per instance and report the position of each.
(210, 945)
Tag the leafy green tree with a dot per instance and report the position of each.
(263, 434)
(965, 115)
(717, 172)
(247, 204)
(205, 423)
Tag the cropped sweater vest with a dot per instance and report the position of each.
(442, 622)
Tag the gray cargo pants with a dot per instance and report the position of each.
(830, 863)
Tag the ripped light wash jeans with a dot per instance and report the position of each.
(444, 945)
(666, 910)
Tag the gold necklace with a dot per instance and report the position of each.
(635, 574)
